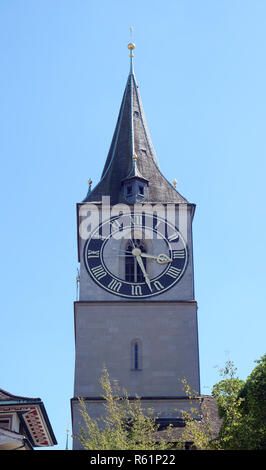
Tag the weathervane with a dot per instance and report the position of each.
(131, 46)
(131, 33)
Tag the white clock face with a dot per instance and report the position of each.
(136, 256)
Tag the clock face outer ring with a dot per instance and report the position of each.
(98, 271)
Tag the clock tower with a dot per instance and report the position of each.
(136, 313)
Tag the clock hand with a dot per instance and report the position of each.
(137, 253)
(161, 259)
(139, 260)
(122, 251)
(132, 243)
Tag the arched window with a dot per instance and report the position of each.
(136, 355)
(133, 272)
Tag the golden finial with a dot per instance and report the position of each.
(89, 184)
(174, 183)
(131, 46)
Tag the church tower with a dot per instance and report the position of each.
(136, 313)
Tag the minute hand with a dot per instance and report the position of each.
(139, 260)
(161, 259)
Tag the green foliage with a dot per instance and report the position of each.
(124, 426)
(242, 405)
(254, 391)
(197, 430)
(253, 407)
(226, 393)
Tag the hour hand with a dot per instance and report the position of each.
(161, 259)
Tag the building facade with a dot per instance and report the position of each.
(136, 313)
(24, 423)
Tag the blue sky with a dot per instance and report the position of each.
(201, 72)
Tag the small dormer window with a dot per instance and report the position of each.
(129, 190)
(135, 190)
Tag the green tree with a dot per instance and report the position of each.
(226, 393)
(198, 429)
(123, 426)
(253, 406)
(126, 426)
(242, 405)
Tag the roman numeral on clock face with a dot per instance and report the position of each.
(173, 237)
(178, 254)
(98, 272)
(93, 254)
(116, 225)
(115, 285)
(136, 219)
(136, 290)
(173, 272)
(158, 285)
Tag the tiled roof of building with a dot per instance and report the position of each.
(7, 396)
(32, 415)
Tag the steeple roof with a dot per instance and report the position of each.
(131, 153)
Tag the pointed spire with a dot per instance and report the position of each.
(131, 154)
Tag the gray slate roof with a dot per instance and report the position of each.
(7, 397)
(131, 136)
